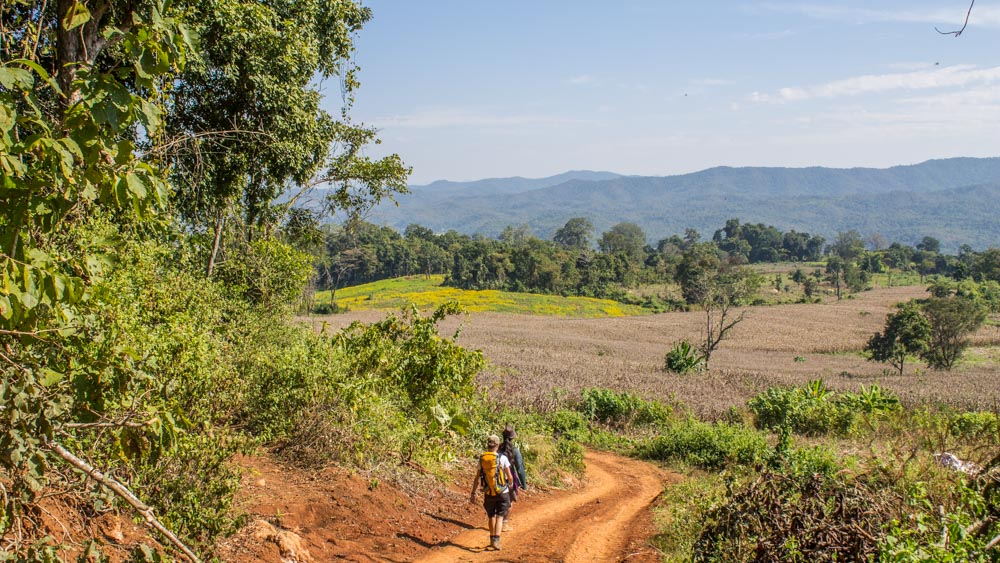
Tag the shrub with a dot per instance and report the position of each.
(778, 517)
(570, 424)
(709, 446)
(808, 411)
(683, 358)
(621, 409)
(871, 400)
(975, 425)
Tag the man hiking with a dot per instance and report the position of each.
(495, 476)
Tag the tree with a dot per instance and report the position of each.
(624, 238)
(929, 244)
(952, 320)
(698, 267)
(574, 234)
(835, 272)
(848, 245)
(79, 85)
(907, 332)
(986, 265)
(245, 123)
(723, 292)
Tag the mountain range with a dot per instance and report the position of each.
(955, 200)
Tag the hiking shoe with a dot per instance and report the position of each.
(496, 545)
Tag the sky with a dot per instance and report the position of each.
(465, 90)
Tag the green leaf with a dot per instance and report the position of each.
(15, 78)
(136, 185)
(77, 15)
(6, 311)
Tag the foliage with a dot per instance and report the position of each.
(907, 333)
(781, 517)
(406, 353)
(952, 320)
(621, 409)
(931, 533)
(808, 410)
(873, 399)
(683, 358)
(708, 446)
(976, 426)
(680, 514)
(267, 272)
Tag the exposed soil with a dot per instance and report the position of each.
(336, 516)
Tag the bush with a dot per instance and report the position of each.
(570, 424)
(808, 411)
(621, 409)
(871, 400)
(777, 517)
(683, 358)
(975, 425)
(709, 446)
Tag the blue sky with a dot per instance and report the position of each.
(466, 90)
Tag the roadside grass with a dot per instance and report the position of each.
(426, 293)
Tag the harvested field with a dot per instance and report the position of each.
(534, 356)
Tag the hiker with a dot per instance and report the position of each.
(512, 453)
(495, 475)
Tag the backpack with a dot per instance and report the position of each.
(491, 476)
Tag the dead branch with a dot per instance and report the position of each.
(123, 492)
(958, 32)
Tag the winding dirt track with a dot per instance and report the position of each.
(594, 524)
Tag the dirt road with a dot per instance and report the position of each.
(606, 520)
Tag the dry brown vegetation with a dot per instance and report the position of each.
(532, 357)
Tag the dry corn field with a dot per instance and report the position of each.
(532, 357)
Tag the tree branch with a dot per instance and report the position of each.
(958, 32)
(123, 492)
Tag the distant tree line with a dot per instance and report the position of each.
(574, 262)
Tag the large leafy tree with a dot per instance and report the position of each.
(952, 321)
(80, 84)
(575, 234)
(907, 332)
(245, 122)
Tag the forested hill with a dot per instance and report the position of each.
(954, 200)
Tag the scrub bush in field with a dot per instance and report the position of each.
(621, 408)
(683, 358)
(709, 446)
(804, 411)
(975, 425)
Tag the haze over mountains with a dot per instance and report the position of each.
(955, 200)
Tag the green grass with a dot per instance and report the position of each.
(428, 293)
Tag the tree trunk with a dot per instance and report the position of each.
(80, 46)
(219, 224)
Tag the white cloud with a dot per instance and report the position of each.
(582, 79)
(455, 117)
(943, 77)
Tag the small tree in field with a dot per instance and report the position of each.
(907, 332)
(719, 294)
(952, 320)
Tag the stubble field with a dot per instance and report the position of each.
(535, 359)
